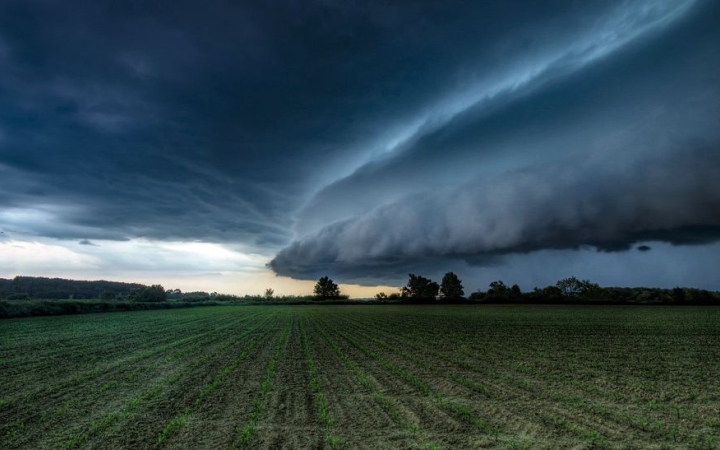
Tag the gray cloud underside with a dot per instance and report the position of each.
(672, 199)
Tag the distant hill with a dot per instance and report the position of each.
(59, 288)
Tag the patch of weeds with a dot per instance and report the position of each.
(174, 424)
(134, 403)
(333, 442)
(705, 442)
(597, 441)
(207, 390)
(109, 386)
(519, 445)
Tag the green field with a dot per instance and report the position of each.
(364, 377)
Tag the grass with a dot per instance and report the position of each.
(539, 377)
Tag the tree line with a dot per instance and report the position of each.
(20, 288)
(568, 290)
(418, 289)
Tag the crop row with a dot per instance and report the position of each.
(558, 402)
(88, 403)
(331, 440)
(458, 409)
(384, 401)
(179, 420)
(245, 434)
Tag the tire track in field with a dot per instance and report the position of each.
(55, 334)
(84, 375)
(82, 399)
(551, 418)
(83, 349)
(68, 361)
(590, 414)
(581, 421)
(66, 404)
(54, 396)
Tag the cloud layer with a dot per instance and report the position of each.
(672, 199)
(360, 140)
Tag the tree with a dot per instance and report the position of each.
(451, 287)
(498, 289)
(420, 288)
(549, 294)
(269, 292)
(678, 294)
(154, 293)
(572, 287)
(499, 292)
(326, 288)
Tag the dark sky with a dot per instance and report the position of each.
(519, 140)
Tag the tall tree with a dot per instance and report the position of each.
(326, 288)
(498, 291)
(451, 286)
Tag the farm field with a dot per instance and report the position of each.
(453, 377)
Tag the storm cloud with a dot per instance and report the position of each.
(593, 153)
(568, 206)
(360, 140)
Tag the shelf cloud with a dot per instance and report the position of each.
(365, 141)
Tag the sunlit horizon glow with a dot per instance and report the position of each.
(188, 266)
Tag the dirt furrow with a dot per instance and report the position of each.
(290, 420)
(107, 389)
(165, 414)
(213, 420)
